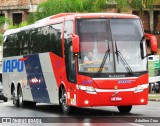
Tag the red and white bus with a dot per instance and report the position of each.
(45, 62)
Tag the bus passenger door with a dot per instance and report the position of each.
(69, 55)
(70, 63)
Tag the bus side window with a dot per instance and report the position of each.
(26, 36)
(56, 38)
(31, 41)
(35, 41)
(11, 45)
(5, 46)
(45, 38)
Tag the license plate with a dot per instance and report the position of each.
(116, 98)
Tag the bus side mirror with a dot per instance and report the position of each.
(153, 42)
(75, 43)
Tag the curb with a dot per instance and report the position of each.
(154, 99)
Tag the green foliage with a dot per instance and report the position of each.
(24, 23)
(1, 38)
(3, 20)
(51, 7)
(142, 4)
(31, 18)
(123, 5)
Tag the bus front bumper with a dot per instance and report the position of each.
(121, 97)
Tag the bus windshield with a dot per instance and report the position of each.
(111, 46)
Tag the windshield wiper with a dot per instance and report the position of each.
(122, 59)
(107, 53)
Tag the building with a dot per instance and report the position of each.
(17, 10)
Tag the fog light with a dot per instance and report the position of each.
(142, 100)
(86, 102)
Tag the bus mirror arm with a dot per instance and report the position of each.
(153, 42)
(75, 43)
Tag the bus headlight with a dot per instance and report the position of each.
(90, 89)
(138, 89)
(80, 87)
(86, 88)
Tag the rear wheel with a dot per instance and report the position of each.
(125, 109)
(20, 97)
(5, 100)
(15, 99)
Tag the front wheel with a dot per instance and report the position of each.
(63, 102)
(125, 109)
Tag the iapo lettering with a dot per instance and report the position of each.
(13, 65)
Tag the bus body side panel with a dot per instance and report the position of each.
(35, 78)
(41, 78)
(35, 75)
(14, 72)
(49, 76)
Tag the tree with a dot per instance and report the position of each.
(140, 5)
(3, 20)
(51, 7)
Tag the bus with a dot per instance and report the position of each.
(44, 62)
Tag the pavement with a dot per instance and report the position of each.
(154, 97)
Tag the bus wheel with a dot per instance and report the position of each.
(5, 100)
(20, 97)
(63, 100)
(125, 109)
(15, 99)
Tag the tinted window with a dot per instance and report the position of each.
(39, 40)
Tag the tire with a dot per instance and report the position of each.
(63, 100)
(124, 109)
(5, 100)
(20, 98)
(15, 99)
(16, 102)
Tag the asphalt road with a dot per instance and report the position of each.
(51, 115)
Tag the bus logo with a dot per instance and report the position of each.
(124, 81)
(14, 65)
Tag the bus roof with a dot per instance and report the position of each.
(43, 21)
